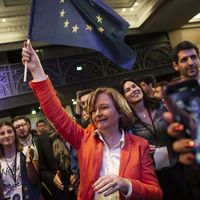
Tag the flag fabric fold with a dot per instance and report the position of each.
(82, 23)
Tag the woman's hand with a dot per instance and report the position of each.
(30, 57)
(108, 184)
(57, 181)
(152, 149)
(182, 145)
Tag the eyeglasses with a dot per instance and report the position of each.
(20, 125)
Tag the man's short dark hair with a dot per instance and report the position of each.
(40, 121)
(148, 79)
(183, 46)
(26, 119)
(84, 92)
(161, 83)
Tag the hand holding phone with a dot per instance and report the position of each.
(183, 100)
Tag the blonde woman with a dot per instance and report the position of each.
(113, 164)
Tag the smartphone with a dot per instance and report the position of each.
(183, 100)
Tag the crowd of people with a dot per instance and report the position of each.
(121, 144)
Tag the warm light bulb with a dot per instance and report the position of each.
(33, 112)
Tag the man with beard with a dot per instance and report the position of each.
(22, 126)
(185, 57)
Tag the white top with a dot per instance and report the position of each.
(11, 177)
(110, 165)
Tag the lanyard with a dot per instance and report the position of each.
(14, 170)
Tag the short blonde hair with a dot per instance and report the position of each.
(120, 103)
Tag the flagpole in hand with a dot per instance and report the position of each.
(26, 63)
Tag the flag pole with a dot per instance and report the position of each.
(26, 63)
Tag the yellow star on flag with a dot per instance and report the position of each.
(62, 13)
(66, 23)
(99, 19)
(88, 27)
(100, 29)
(75, 29)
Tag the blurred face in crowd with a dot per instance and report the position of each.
(188, 63)
(158, 92)
(83, 101)
(7, 135)
(132, 92)
(147, 88)
(22, 128)
(42, 128)
(104, 114)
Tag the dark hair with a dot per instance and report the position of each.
(26, 119)
(149, 102)
(183, 46)
(84, 92)
(40, 121)
(17, 144)
(148, 79)
(161, 83)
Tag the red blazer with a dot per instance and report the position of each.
(135, 162)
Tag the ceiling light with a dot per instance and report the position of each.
(33, 112)
(196, 18)
(3, 20)
(132, 9)
(124, 9)
(79, 68)
(74, 103)
(73, 100)
(136, 3)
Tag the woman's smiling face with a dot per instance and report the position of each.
(132, 92)
(7, 135)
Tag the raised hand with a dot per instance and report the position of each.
(33, 62)
(29, 155)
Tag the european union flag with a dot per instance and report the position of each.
(82, 23)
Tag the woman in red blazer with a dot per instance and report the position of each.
(113, 164)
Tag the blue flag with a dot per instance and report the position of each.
(82, 23)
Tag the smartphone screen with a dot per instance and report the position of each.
(183, 100)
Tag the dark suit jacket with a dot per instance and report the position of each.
(49, 165)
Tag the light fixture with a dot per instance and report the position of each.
(3, 20)
(33, 112)
(136, 3)
(74, 103)
(196, 18)
(123, 9)
(79, 68)
(132, 9)
(73, 100)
